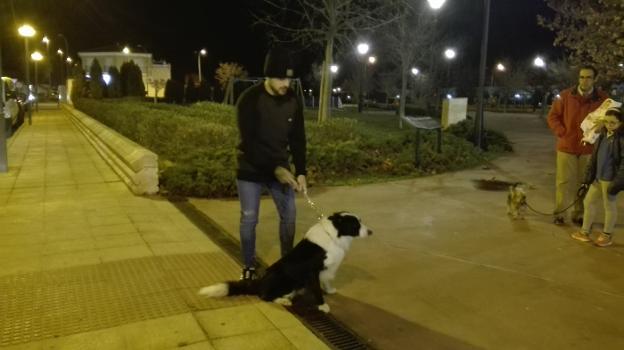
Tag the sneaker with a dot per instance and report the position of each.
(603, 240)
(558, 220)
(581, 236)
(578, 221)
(249, 273)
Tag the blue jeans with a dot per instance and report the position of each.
(249, 196)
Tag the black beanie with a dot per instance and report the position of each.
(278, 64)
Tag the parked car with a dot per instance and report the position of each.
(14, 104)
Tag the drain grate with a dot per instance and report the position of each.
(329, 329)
(335, 334)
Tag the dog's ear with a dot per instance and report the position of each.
(345, 224)
(335, 218)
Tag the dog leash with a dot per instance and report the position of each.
(319, 214)
(580, 194)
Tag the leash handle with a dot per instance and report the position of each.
(313, 205)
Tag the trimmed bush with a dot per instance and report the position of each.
(197, 145)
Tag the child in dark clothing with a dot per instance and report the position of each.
(604, 177)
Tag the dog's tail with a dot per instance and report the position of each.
(244, 287)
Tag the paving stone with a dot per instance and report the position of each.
(265, 340)
(233, 321)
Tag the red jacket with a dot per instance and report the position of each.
(566, 115)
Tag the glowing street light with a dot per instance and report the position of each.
(201, 53)
(436, 4)
(362, 48)
(415, 71)
(333, 68)
(26, 31)
(36, 56)
(539, 62)
(69, 60)
(450, 54)
(372, 59)
(126, 50)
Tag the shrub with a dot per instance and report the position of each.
(132, 80)
(495, 141)
(174, 92)
(97, 86)
(197, 145)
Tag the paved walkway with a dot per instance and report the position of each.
(447, 269)
(84, 264)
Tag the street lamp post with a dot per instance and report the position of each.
(201, 53)
(479, 127)
(62, 73)
(541, 64)
(450, 55)
(67, 54)
(26, 31)
(46, 41)
(500, 68)
(362, 50)
(415, 71)
(36, 57)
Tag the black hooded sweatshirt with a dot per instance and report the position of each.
(271, 130)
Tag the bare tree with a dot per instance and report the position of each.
(325, 23)
(408, 39)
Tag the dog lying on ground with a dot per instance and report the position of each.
(311, 265)
(516, 201)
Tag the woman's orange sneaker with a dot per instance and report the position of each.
(603, 240)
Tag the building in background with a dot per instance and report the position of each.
(155, 74)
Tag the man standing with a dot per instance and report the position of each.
(564, 120)
(270, 121)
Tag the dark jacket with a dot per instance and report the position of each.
(271, 131)
(618, 146)
(566, 115)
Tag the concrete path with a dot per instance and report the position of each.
(85, 264)
(447, 269)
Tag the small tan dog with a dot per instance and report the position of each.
(516, 201)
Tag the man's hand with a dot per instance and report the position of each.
(286, 177)
(303, 185)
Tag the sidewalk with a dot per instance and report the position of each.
(447, 269)
(84, 264)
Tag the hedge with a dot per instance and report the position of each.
(197, 145)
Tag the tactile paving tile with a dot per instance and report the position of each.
(61, 302)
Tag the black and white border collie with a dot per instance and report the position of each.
(311, 265)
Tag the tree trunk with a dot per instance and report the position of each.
(403, 92)
(325, 91)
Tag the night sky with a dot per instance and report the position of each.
(175, 31)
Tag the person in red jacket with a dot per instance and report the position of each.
(564, 120)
